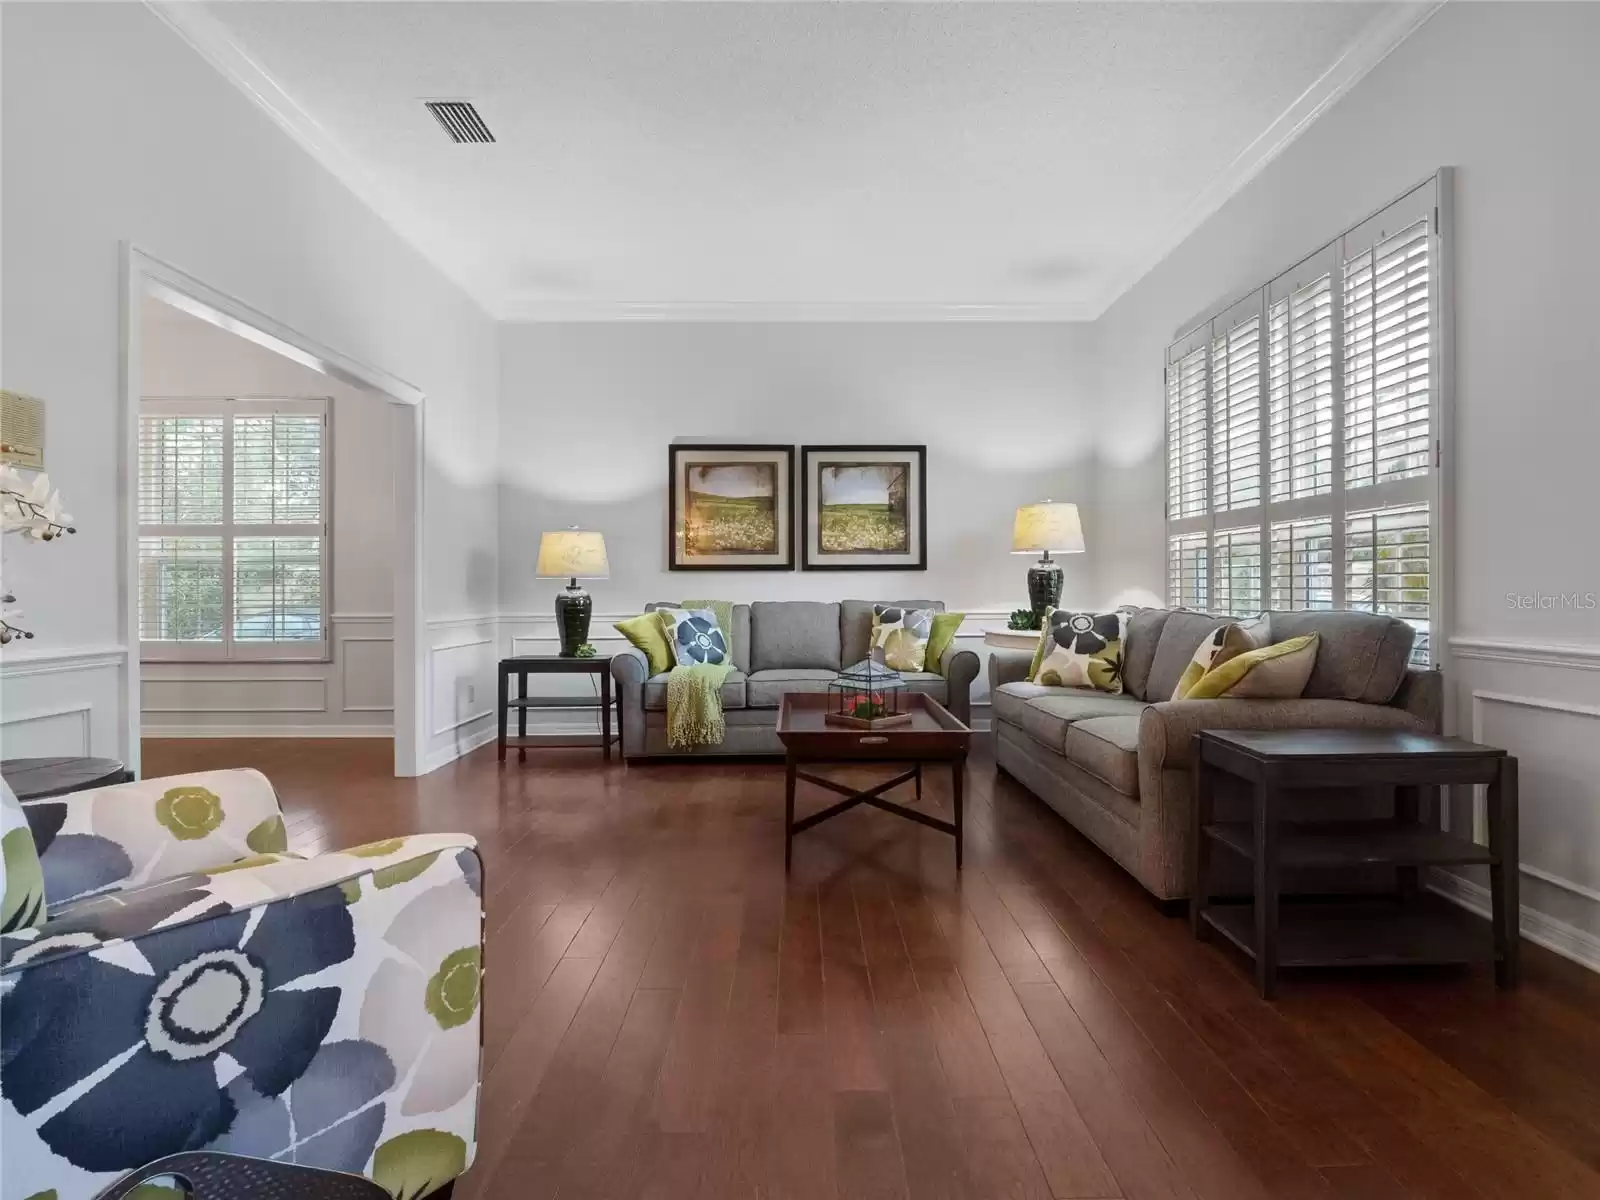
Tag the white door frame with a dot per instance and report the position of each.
(144, 275)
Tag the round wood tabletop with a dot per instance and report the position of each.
(36, 778)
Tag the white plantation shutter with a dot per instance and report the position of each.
(1236, 572)
(233, 546)
(1236, 415)
(1187, 573)
(1300, 371)
(1320, 450)
(1388, 567)
(1302, 564)
(1387, 374)
(1187, 435)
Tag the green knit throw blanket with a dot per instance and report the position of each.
(694, 705)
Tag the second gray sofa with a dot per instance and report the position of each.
(778, 646)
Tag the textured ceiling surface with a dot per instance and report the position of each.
(846, 153)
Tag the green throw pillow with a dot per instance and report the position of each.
(944, 632)
(1081, 650)
(21, 880)
(645, 632)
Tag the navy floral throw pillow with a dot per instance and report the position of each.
(694, 636)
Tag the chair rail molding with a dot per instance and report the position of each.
(1577, 656)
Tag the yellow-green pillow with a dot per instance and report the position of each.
(1222, 644)
(900, 636)
(944, 632)
(1079, 649)
(645, 632)
(1276, 672)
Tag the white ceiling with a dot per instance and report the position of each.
(653, 158)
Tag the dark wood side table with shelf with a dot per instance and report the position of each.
(1413, 927)
(523, 665)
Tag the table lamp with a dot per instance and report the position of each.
(573, 554)
(1050, 527)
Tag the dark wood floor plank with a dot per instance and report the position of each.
(1031, 1024)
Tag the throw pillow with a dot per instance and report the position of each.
(900, 636)
(1224, 643)
(945, 625)
(694, 636)
(1277, 672)
(645, 632)
(1081, 650)
(21, 879)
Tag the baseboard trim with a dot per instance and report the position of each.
(446, 755)
(1558, 937)
(159, 732)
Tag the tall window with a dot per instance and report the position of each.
(1303, 433)
(233, 529)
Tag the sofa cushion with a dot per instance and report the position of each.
(794, 634)
(1181, 635)
(655, 691)
(1363, 656)
(739, 635)
(765, 689)
(855, 625)
(1139, 641)
(1108, 748)
(1045, 713)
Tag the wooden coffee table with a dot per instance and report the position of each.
(931, 736)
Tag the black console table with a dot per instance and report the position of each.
(523, 665)
(1412, 927)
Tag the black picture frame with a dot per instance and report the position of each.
(785, 516)
(810, 561)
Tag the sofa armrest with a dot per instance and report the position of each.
(959, 668)
(629, 670)
(131, 834)
(325, 1007)
(1166, 730)
(1009, 666)
(1422, 695)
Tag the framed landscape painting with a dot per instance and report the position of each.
(731, 509)
(864, 508)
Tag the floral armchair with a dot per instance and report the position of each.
(172, 979)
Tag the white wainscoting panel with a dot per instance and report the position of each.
(62, 702)
(1541, 702)
(350, 696)
(463, 659)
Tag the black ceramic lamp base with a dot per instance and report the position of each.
(573, 610)
(1044, 584)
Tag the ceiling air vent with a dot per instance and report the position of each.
(460, 120)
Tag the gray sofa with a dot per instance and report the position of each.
(1118, 767)
(778, 646)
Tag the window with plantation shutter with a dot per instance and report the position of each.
(233, 529)
(1187, 572)
(1187, 434)
(1319, 451)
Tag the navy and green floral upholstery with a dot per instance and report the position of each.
(202, 988)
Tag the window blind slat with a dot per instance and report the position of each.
(1388, 355)
(1187, 563)
(1187, 435)
(180, 470)
(1236, 572)
(277, 470)
(277, 590)
(180, 589)
(1300, 392)
(1388, 567)
(1236, 417)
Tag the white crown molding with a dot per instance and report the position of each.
(798, 311)
(211, 40)
(1374, 44)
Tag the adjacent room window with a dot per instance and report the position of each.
(1303, 433)
(233, 529)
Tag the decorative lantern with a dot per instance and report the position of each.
(867, 696)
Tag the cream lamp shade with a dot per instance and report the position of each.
(1052, 526)
(573, 554)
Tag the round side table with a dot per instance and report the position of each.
(36, 778)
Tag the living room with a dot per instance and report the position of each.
(998, 254)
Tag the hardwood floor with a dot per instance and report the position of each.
(667, 1015)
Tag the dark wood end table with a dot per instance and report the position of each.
(1412, 928)
(931, 736)
(523, 665)
(37, 778)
